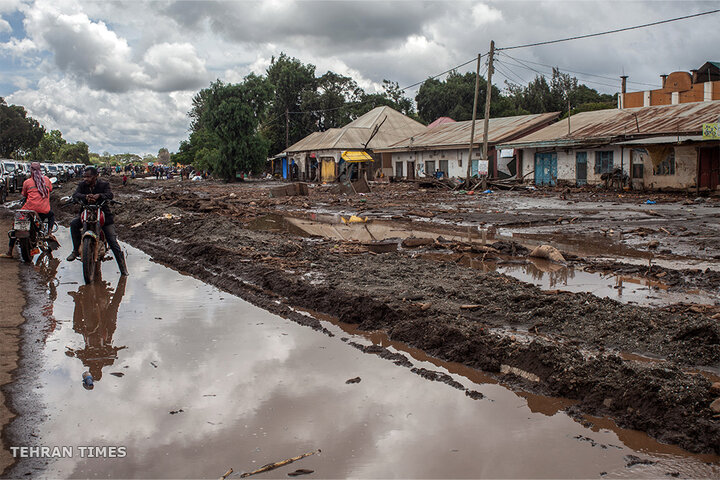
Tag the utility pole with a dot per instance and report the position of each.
(488, 95)
(472, 127)
(287, 128)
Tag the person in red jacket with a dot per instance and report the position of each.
(36, 192)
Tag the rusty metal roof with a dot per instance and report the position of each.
(613, 125)
(395, 126)
(457, 134)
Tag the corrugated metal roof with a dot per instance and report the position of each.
(440, 121)
(626, 124)
(458, 134)
(354, 135)
(664, 139)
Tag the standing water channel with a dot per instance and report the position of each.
(191, 381)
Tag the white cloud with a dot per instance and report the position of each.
(18, 48)
(5, 26)
(117, 122)
(94, 54)
(483, 14)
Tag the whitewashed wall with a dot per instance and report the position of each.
(685, 170)
(566, 163)
(685, 166)
(457, 161)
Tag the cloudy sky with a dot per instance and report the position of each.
(120, 75)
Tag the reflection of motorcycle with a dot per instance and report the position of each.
(94, 246)
(32, 235)
(95, 318)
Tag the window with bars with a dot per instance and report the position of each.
(667, 166)
(603, 162)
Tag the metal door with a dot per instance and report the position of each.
(411, 170)
(545, 168)
(327, 171)
(474, 168)
(581, 168)
(709, 174)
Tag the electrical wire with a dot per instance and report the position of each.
(549, 74)
(607, 32)
(578, 73)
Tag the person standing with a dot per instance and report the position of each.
(94, 190)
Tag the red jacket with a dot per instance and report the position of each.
(34, 200)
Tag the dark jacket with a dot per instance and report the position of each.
(103, 189)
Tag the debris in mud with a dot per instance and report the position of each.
(412, 242)
(175, 412)
(633, 460)
(273, 466)
(300, 471)
(510, 248)
(437, 377)
(474, 394)
(382, 352)
(548, 252)
(353, 380)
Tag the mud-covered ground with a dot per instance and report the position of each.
(649, 369)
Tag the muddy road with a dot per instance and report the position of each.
(436, 285)
(191, 380)
(653, 369)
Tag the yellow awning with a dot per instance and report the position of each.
(356, 156)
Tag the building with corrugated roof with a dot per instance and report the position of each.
(378, 128)
(656, 147)
(444, 148)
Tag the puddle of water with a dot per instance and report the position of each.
(552, 276)
(249, 388)
(544, 274)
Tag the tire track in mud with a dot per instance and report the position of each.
(382, 292)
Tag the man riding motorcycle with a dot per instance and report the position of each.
(36, 193)
(93, 190)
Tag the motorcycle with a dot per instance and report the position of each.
(93, 245)
(32, 235)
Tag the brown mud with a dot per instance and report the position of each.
(549, 342)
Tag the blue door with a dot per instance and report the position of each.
(474, 168)
(545, 168)
(284, 167)
(581, 168)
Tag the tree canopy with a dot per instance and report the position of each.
(232, 114)
(19, 133)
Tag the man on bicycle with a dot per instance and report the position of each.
(93, 190)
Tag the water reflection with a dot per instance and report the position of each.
(95, 318)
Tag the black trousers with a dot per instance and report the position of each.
(110, 236)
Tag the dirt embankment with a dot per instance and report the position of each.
(11, 318)
(560, 344)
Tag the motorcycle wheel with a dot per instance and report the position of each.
(88, 259)
(25, 249)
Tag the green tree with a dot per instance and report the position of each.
(454, 97)
(290, 80)
(19, 134)
(232, 113)
(74, 153)
(49, 147)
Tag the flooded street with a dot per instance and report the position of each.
(192, 381)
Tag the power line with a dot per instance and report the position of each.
(546, 74)
(357, 104)
(579, 73)
(578, 37)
